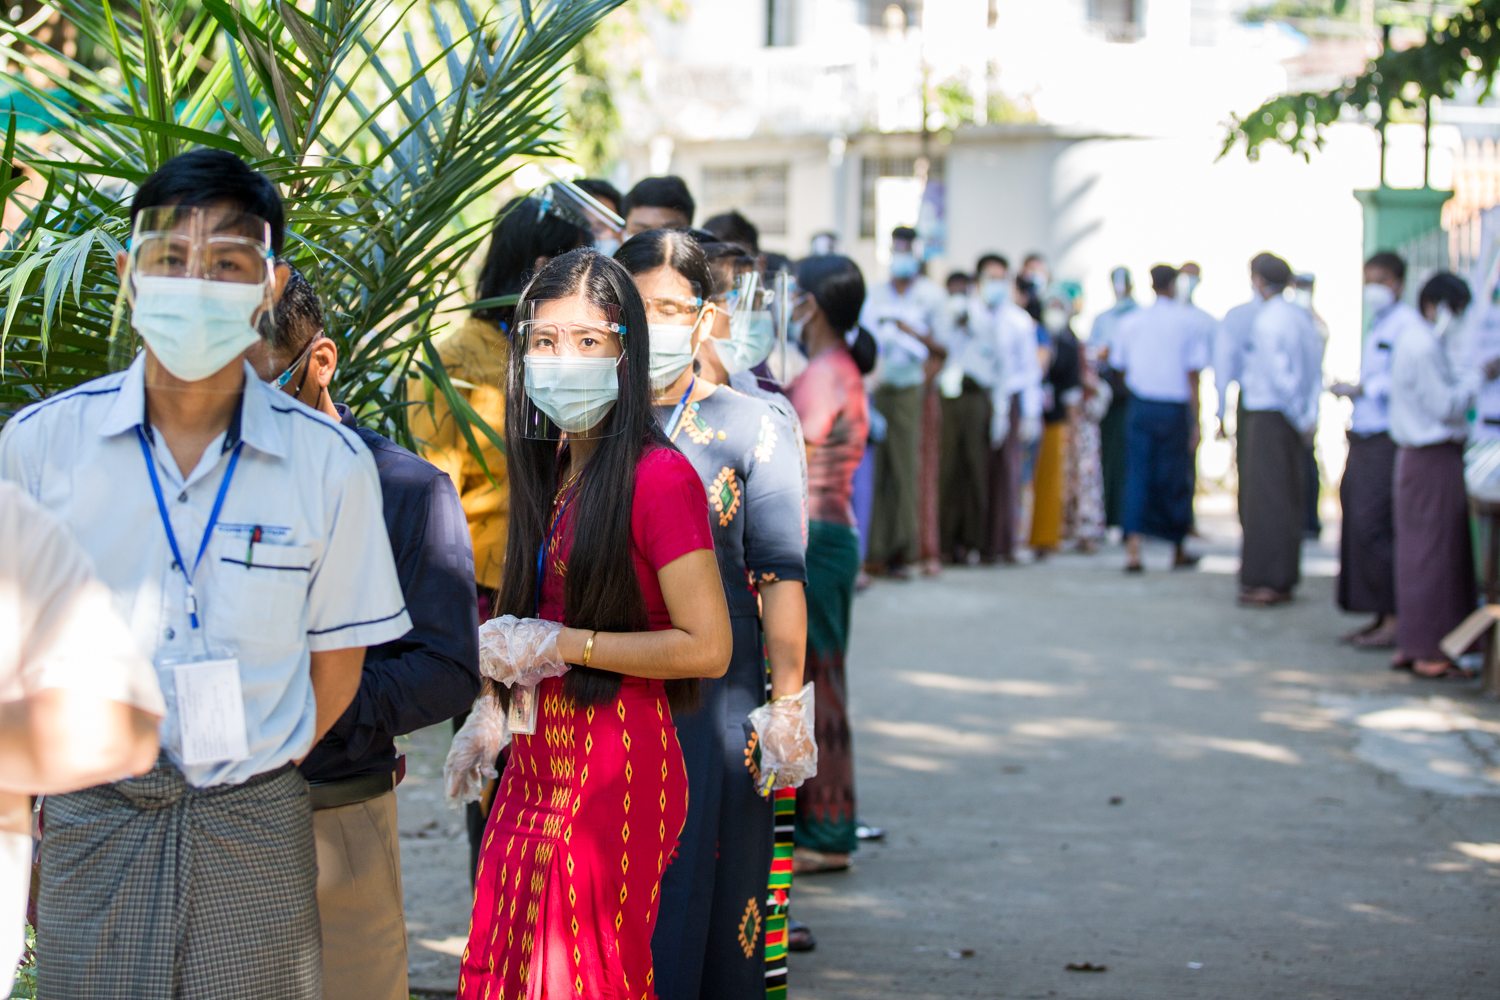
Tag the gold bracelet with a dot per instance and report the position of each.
(588, 648)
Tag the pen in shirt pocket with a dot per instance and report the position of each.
(250, 549)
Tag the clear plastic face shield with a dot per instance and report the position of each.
(198, 282)
(571, 352)
(675, 313)
(749, 335)
(570, 202)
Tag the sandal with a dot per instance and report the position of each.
(799, 936)
(1450, 671)
(806, 861)
(1375, 638)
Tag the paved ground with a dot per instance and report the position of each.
(1080, 767)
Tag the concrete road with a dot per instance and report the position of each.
(1079, 767)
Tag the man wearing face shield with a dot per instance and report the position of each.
(1367, 581)
(1429, 408)
(241, 536)
(1280, 385)
(428, 676)
(909, 317)
(1112, 427)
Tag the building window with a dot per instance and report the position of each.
(878, 13)
(872, 168)
(757, 193)
(781, 22)
(1117, 20)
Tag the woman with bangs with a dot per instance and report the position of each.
(610, 616)
(711, 938)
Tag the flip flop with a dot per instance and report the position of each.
(810, 862)
(1452, 672)
(1374, 639)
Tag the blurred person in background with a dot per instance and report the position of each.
(1060, 392)
(1161, 355)
(1367, 543)
(1302, 294)
(830, 399)
(1228, 363)
(658, 203)
(254, 573)
(475, 356)
(1084, 515)
(1112, 426)
(426, 677)
(732, 227)
(606, 236)
(752, 473)
(1189, 276)
(1429, 421)
(970, 377)
(823, 244)
(1016, 400)
(908, 314)
(1035, 272)
(1280, 405)
(79, 704)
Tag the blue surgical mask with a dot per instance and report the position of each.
(671, 352)
(904, 265)
(607, 245)
(993, 291)
(751, 337)
(194, 326)
(575, 393)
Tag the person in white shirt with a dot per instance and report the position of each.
(1189, 276)
(1279, 406)
(1015, 399)
(1367, 581)
(241, 535)
(1228, 361)
(908, 316)
(1301, 293)
(79, 704)
(974, 368)
(1161, 353)
(1429, 421)
(1112, 426)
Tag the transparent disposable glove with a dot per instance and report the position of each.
(1031, 429)
(471, 758)
(788, 749)
(520, 650)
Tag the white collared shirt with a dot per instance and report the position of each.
(1102, 333)
(1156, 347)
(1229, 347)
(1282, 363)
(1372, 406)
(1429, 401)
(321, 578)
(924, 308)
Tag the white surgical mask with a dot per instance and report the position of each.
(671, 352)
(1444, 322)
(607, 245)
(194, 326)
(1186, 285)
(1054, 318)
(575, 393)
(993, 291)
(1378, 297)
(904, 265)
(750, 340)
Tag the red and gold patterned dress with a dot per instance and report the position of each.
(590, 806)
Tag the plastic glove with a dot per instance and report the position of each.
(471, 758)
(1031, 429)
(788, 749)
(520, 650)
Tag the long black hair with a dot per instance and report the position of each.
(523, 232)
(672, 248)
(601, 590)
(838, 287)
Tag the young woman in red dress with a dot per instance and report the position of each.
(609, 536)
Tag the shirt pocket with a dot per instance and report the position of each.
(261, 593)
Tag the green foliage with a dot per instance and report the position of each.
(386, 125)
(25, 984)
(1461, 48)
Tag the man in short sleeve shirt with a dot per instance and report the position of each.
(241, 536)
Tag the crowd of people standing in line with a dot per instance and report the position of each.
(636, 614)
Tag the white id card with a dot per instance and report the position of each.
(211, 712)
(522, 715)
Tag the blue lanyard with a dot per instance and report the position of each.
(677, 410)
(541, 554)
(166, 522)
